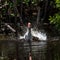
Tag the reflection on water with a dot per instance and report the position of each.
(40, 50)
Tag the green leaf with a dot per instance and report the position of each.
(55, 20)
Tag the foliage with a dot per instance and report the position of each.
(27, 1)
(9, 8)
(57, 3)
(56, 18)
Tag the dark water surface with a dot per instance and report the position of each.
(42, 50)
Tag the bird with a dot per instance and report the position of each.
(32, 34)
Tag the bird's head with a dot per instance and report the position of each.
(29, 25)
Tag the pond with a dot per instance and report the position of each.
(41, 50)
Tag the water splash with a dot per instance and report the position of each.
(39, 35)
(35, 33)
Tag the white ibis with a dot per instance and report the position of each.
(31, 33)
(29, 39)
(28, 35)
